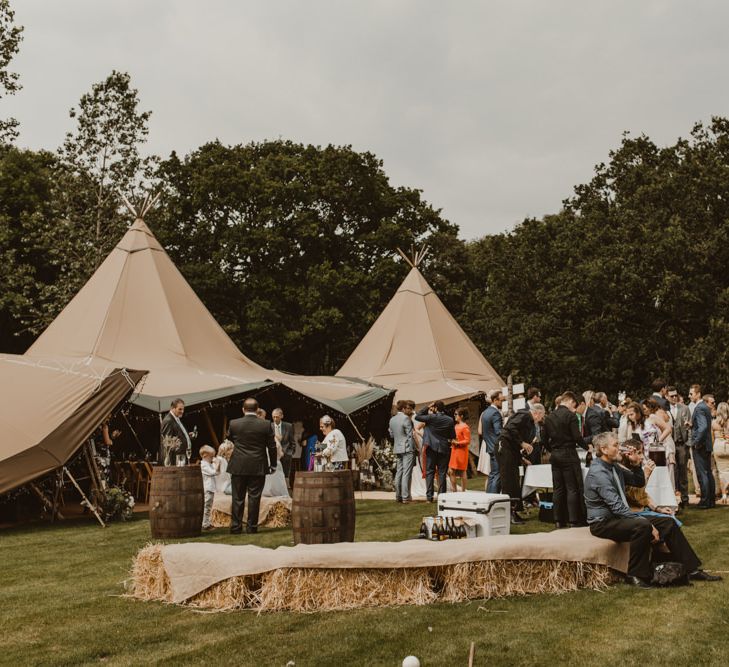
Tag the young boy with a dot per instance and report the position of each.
(209, 469)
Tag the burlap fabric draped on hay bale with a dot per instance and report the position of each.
(373, 574)
(275, 511)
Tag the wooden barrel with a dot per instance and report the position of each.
(323, 507)
(176, 501)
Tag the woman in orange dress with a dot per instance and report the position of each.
(459, 451)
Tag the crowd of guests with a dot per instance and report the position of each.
(626, 442)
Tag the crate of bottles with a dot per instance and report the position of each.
(438, 528)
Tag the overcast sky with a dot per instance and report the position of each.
(494, 109)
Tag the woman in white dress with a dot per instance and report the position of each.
(657, 416)
(334, 443)
(720, 432)
(275, 484)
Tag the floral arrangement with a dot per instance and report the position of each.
(385, 464)
(118, 505)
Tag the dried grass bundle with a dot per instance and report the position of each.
(149, 580)
(219, 519)
(363, 451)
(311, 590)
(500, 578)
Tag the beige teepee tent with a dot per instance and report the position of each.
(417, 347)
(138, 311)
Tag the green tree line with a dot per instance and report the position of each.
(292, 247)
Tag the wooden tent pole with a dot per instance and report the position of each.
(209, 423)
(83, 495)
(47, 504)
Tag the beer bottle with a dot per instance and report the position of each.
(434, 531)
(423, 530)
(443, 529)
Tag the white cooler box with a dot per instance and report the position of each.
(491, 511)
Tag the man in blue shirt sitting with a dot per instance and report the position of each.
(609, 516)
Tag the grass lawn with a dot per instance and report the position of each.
(61, 604)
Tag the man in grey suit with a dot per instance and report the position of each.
(401, 431)
(681, 418)
(253, 457)
(701, 447)
(283, 433)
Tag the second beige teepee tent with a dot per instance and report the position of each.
(417, 347)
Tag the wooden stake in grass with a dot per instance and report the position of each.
(471, 653)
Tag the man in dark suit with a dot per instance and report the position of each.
(659, 393)
(440, 431)
(701, 447)
(518, 434)
(681, 418)
(562, 437)
(172, 427)
(283, 433)
(253, 457)
(594, 418)
(611, 418)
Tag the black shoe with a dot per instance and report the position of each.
(252, 531)
(236, 531)
(517, 520)
(430, 500)
(636, 581)
(700, 575)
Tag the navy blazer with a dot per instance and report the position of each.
(701, 427)
(440, 429)
(491, 423)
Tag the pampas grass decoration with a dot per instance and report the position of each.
(363, 451)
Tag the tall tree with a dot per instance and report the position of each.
(292, 247)
(626, 283)
(10, 38)
(104, 150)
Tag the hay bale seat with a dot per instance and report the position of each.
(274, 512)
(452, 574)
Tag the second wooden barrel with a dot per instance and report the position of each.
(176, 501)
(323, 507)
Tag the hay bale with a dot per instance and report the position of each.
(500, 578)
(227, 595)
(312, 590)
(279, 516)
(149, 580)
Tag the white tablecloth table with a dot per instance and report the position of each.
(659, 485)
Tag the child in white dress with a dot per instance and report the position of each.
(209, 469)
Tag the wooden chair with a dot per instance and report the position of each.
(120, 476)
(131, 469)
(147, 473)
